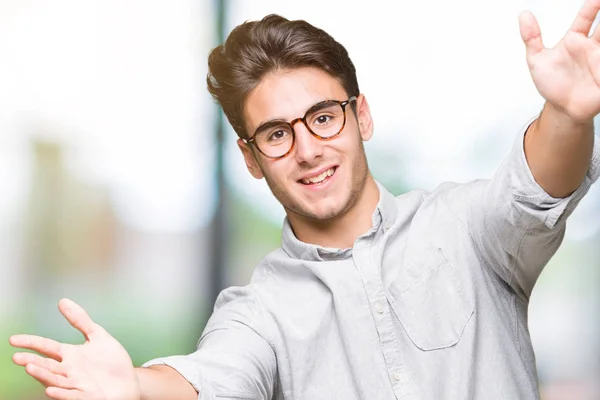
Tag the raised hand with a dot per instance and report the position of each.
(568, 75)
(99, 369)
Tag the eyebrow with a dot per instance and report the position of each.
(270, 124)
(279, 121)
(321, 105)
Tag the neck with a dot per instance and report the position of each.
(342, 230)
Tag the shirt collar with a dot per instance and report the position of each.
(383, 218)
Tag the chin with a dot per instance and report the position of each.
(313, 207)
(324, 212)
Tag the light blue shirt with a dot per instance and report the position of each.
(430, 304)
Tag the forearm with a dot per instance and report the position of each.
(160, 382)
(559, 151)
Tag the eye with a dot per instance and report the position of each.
(277, 135)
(322, 119)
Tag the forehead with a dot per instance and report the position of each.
(287, 94)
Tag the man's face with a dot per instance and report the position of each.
(296, 179)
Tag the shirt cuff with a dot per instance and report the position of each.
(529, 193)
(189, 370)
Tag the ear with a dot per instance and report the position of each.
(251, 162)
(363, 115)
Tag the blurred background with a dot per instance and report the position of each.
(122, 188)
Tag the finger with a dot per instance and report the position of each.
(530, 33)
(65, 394)
(42, 345)
(51, 365)
(586, 16)
(77, 317)
(47, 378)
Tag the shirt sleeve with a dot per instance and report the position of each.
(515, 225)
(233, 358)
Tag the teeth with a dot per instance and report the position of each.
(319, 178)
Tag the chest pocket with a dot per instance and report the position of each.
(430, 301)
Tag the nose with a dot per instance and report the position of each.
(307, 146)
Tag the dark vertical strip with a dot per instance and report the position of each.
(218, 235)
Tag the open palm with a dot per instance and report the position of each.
(99, 369)
(568, 75)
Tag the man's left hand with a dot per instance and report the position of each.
(568, 75)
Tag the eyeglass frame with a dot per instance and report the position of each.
(293, 122)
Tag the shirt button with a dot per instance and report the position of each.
(397, 376)
(380, 308)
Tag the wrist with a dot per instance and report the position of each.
(142, 375)
(161, 382)
(559, 116)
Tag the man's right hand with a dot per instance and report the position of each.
(99, 369)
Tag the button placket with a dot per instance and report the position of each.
(373, 285)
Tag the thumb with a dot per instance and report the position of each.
(530, 33)
(78, 318)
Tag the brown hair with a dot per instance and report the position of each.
(256, 48)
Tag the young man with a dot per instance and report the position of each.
(371, 296)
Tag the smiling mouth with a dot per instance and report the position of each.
(323, 176)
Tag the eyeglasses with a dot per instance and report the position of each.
(325, 120)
